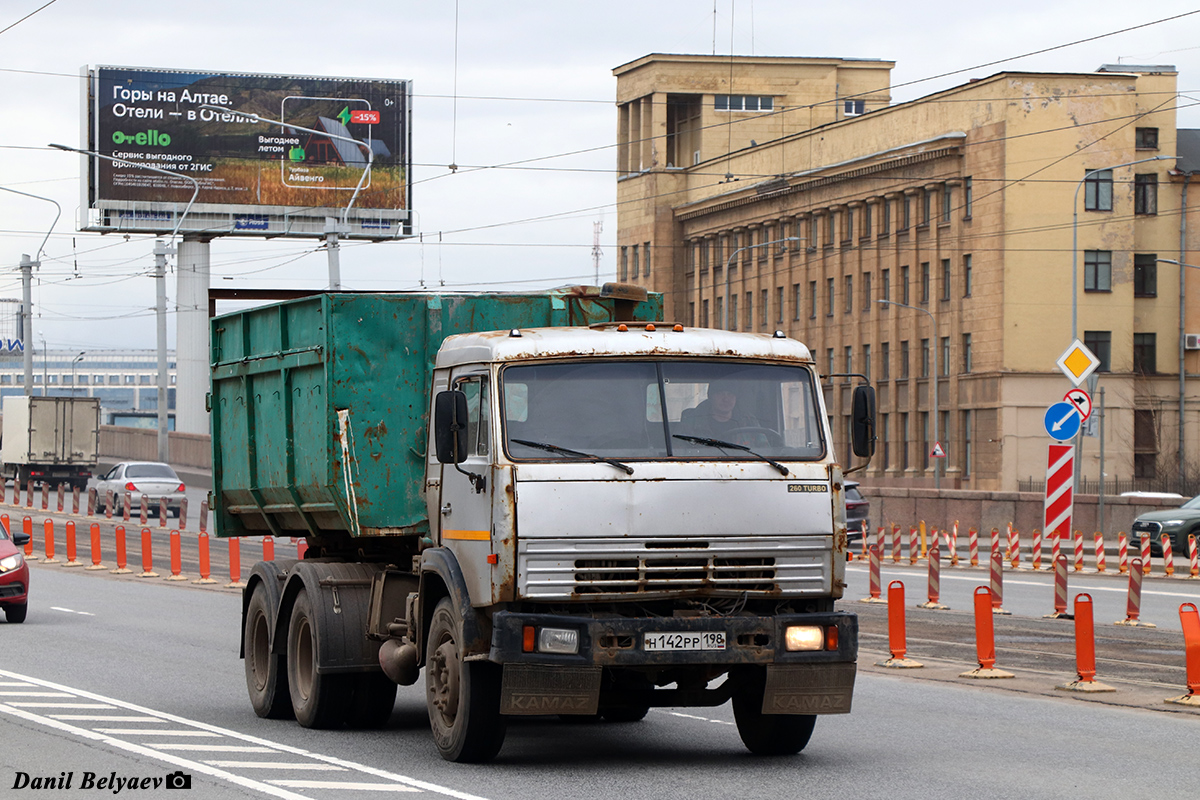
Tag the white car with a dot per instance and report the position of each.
(151, 478)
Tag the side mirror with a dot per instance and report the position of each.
(450, 427)
(20, 538)
(862, 421)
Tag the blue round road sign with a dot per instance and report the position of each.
(1062, 421)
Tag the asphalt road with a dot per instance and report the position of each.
(162, 659)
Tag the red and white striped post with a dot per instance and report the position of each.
(935, 577)
(91, 507)
(1101, 565)
(144, 514)
(45, 496)
(997, 579)
(162, 512)
(952, 544)
(29, 493)
(1133, 602)
(108, 504)
(973, 544)
(1194, 565)
(204, 516)
(1059, 501)
(1055, 547)
(914, 544)
(1008, 537)
(75, 500)
(895, 544)
(1122, 552)
(1168, 558)
(126, 506)
(995, 541)
(1014, 546)
(1060, 589)
(1035, 556)
(875, 582)
(60, 496)
(183, 514)
(1078, 551)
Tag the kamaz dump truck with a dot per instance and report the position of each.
(548, 503)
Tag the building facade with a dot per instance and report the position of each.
(788, 193)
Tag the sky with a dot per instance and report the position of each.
(493, 84)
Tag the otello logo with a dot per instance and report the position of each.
(152, 138)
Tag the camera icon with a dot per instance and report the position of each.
(179, 780)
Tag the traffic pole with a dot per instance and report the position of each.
(1101, 564)
(1133, 602)
(122, 561)
(29, 493)
(1190, 620)
(27, 527)
(268, 546)
(1035, 557)
(952, 544)
(235, 564)
(45, 496)
(75, 500)
(94, 531)
(935, 578)
(162, 512)
(48, 531)
(914, 545)
(1085, 650)
(147, 556)
(1168, 558)
(1145, 553)
(1056, 538)
(126, 507)
(897, 640)
(1079, 551)
(873, 576)
(176, 559)
(144, 513)
(301, 548)
(1122, 553)
(997, 580)
(895, 544)
(183, 514)
(205, 561)
(1193, 559)
(61, 496)
(973, 543)
(108, 504)
(985, 638)
(995, 541)
(91, 506)
(1060, 589)
(204, 516)
(1014, 546)
(72, 561)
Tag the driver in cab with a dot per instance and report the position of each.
(717, 416)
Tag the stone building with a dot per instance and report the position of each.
(765, 193)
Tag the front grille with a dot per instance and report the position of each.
(1148, 527)
(664, 566)
(12, 590)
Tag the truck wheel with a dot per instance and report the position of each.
(463, 697)
(266, 672)
(319, 701)
(627, 714)
(374, 697)
(16, 614)
(767, 734)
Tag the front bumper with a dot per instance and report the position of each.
(619, 641)
(14, 586)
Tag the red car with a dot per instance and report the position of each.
(14, 576)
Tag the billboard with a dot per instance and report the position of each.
(258, 178)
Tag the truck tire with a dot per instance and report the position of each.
(767, 734)
(319, 701)
(374, 697)
(266, 672)
(16, 614)
(626, 714)
(463, 697)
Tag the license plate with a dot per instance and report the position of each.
(711, 640)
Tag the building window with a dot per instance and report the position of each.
(1145, 138)
(924, 358)
(947, 202)
(778, 304)
(743, 102)
(829, 361)
(885, 440)
(1145, 194)
(885, 221)
(764, 310)
(633, 262)
(812, 299)
(1145, 354)
(1145, 466)
(885, 361)
(866, 222)
(906, 213)
(1145, 443)
(1097, 270)
(945, 355)
(925, 444)
(624, 263)
(646, 260)
(704, 313)
(6, 379)
(855, 108)
(847, 226)
(1145, 275)
(945, 279)
(849, 293)
(904, 441)
(733, 312)
(691, 317)
(885, 288)
(904, 285)
(829, 291)
(926, 207)
(966, 444)
(748, 322)
(967, 275)
(866, 284)
(813, 228)
(966, 352)
(866, 368)
(904, 359)
(830, 229)
(924, 282)
(1100, 343)
(968, 197)
(1098, 190)
(719, 307)
(848, 358)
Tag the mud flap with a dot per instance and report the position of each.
(534, 689)
(809, 688)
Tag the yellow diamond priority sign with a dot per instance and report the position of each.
(1077, 362)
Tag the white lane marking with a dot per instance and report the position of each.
(71, 611)
(101, 718)
(1091, 587)
(368, 787)
(13, 693)
(60, 705)
(693, 716)
(212, 748)
(16, 683)
(144, 732)
(277, 746)
(276, 765)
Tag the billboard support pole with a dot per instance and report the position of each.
(27, 319)
(161, 251)
(333, 250)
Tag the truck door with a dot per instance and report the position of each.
(465, 515)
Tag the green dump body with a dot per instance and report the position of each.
(320, 405)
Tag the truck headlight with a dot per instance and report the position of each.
(563, 641)
(804, 637)
(10, 563)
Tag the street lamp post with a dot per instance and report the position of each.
(937, 464)
(1180, 458)
(729, 263)
(74, 361)
(27, 265)
(45, 366)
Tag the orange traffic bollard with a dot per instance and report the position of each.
(1085, 649)
(27, 527)
(176, 559)
(121, 569)
(72, 561)
(1189, 618)
(301, 548)
(897, 638)
(94, 530)
(235, 563)
(48, 528)
(147, 556)
(5, 523)
(268, 544)
(985, 638)
(205, 562)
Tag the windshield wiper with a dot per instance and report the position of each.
(553, 448)
(723, 444)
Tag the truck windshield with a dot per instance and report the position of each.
(638, 410)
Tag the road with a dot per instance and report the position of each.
(151, 680)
